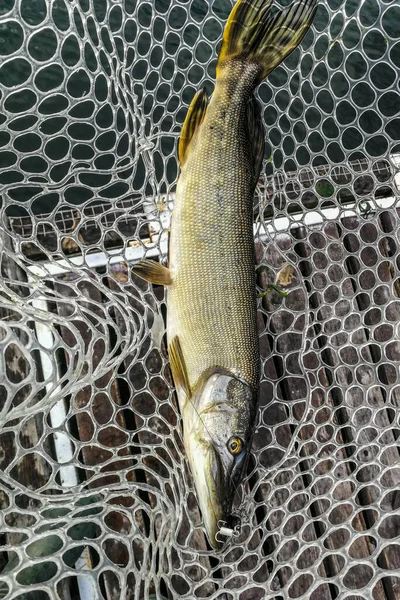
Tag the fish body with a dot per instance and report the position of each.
(212, 315)
(212, 301)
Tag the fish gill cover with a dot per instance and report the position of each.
(96, 497)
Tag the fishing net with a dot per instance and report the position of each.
(96, 497)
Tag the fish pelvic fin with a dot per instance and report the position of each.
(152, 272)
(257, 34)
(193, 120)
(178, 366)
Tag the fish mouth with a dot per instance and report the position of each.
(215, 490)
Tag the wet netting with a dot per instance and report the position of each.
(96, 497)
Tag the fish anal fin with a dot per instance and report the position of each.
(194, 118)
(178, 366)
(256, 134)
(152, 272)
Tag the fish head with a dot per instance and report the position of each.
(218, 439)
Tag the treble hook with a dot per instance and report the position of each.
(226, 531)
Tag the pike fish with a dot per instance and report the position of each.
(211, 305)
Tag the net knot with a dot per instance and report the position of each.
(145, 145)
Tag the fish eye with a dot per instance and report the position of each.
(235, 445)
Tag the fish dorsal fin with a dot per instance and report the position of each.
(178, 366)
(153, 272)
(256, 133)
(194, 118)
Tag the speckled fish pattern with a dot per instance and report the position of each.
(212, 298)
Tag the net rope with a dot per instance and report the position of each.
(96, 497)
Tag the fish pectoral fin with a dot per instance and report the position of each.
(193, 120)
(178, 366)
(152, 272)
(256, 134)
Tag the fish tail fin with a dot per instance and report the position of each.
(256, 34)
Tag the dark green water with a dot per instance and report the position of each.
(344, 89)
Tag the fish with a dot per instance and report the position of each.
(212, 331)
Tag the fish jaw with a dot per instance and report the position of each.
(208, 478)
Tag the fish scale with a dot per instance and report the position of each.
(212, 301)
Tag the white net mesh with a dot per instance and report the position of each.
(96, 497)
